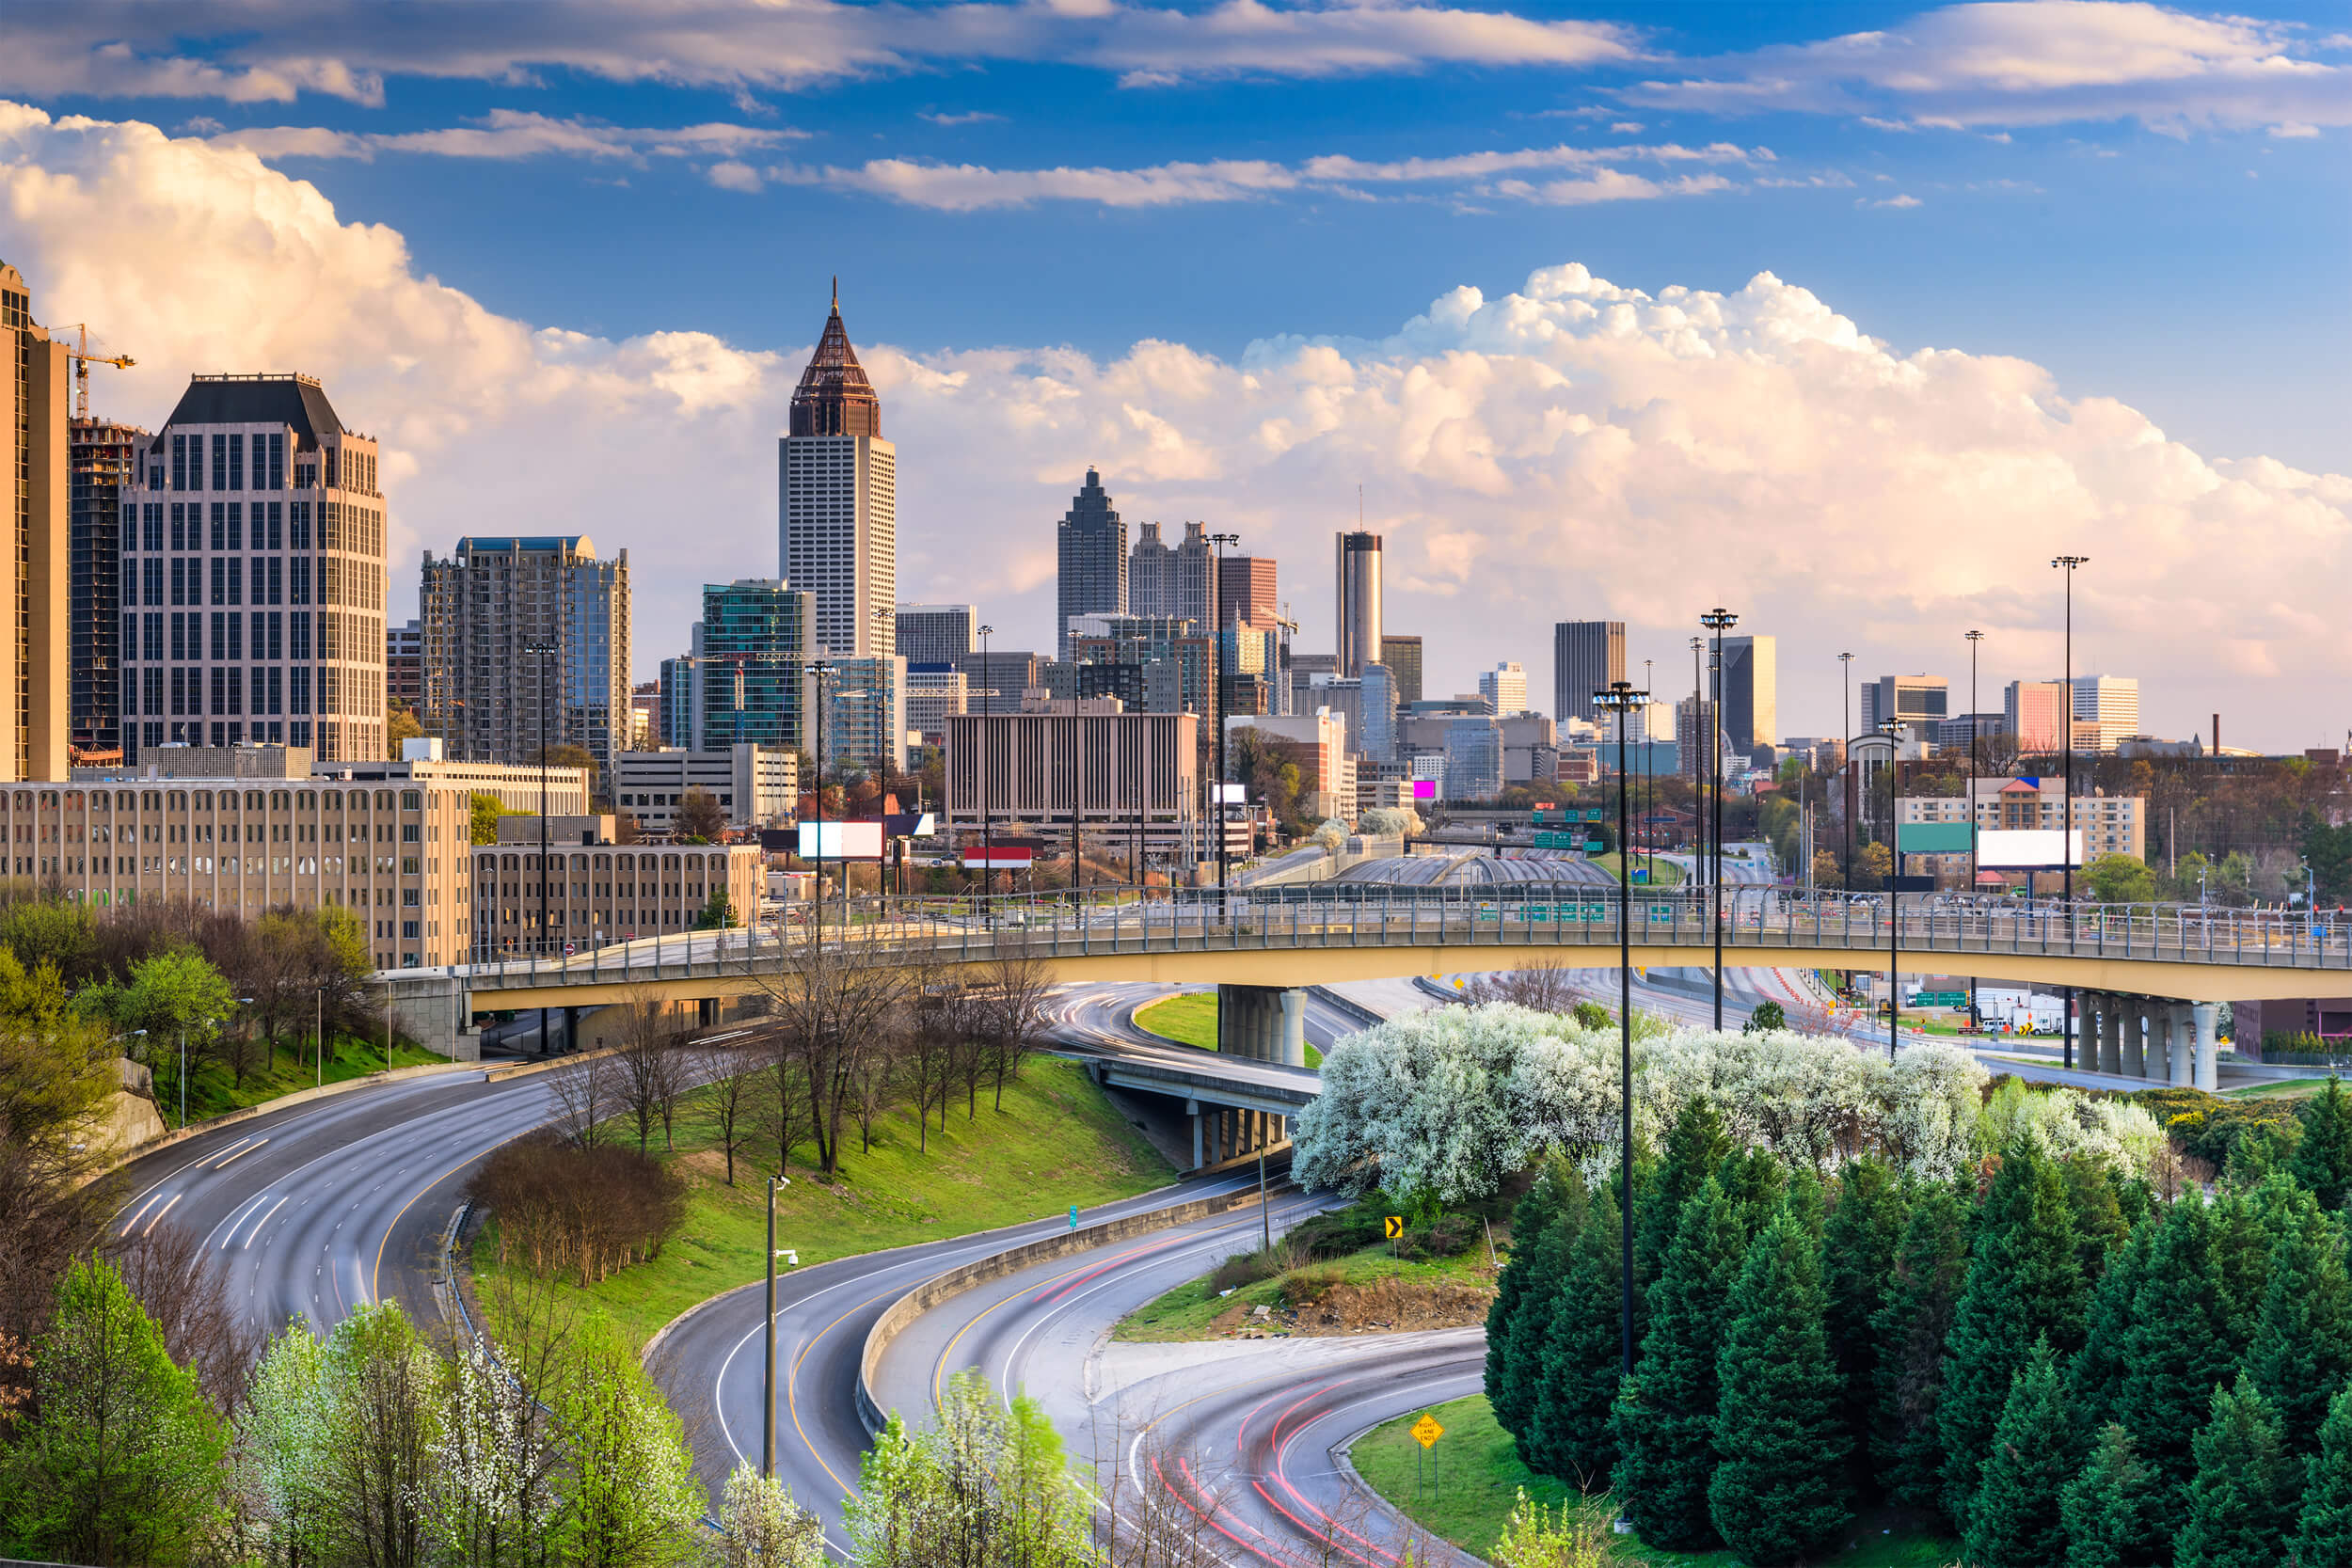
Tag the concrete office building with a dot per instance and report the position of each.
(1132, 773)
(1504, 688)
(1586, 657)
(758, 786)
(837, 501)
(935, 693)
(1304, 670)
(523, 788)
(747, 681)
(39, 488)
(1953, 735)
(1531, 749)
(1402, 654)
(597, 891)
(1318, 744)
(1751, 692)
(102, 455)
(485, 608)
(1693, 744)
(936, 633)
(1355, 599)
(1089, 561)
(286, 557)
(396, 856)
(404, 665)
(1247, 593)
(2110, 704)
(1177, 583)
(1918, 703)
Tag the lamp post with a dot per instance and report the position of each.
(1717, 620)
(1845, 744)
(1649, 775)
(2066, 789)
(1698, 794)
(1970, 812)
(988, 753)
(1893, 729)
(1621, 700)
(820, 669)
(1217, 717)
(768, 1364)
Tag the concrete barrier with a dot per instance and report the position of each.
(956, 1281)
(1356, 1013)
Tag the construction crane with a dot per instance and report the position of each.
(83, 359)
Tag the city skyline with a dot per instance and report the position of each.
(1518, 434)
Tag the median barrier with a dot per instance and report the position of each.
(1357, 1013)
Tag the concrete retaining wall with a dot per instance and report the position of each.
(956, 1281)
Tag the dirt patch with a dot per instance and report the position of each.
(1383, 1306)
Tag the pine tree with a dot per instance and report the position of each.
(1930, 1266)
(1696, 1145)
(2096, 1377)
(2099, 1227)
(2175, 1352)
(2024, 1283)
(1859, 1242)
(2105, 1507)
(1664, 1423)
(2247, 1223)
(2323, 1160)
(2322, 1532)
(1568, 1433)
(2302, 1348)
(2016, 1521)
(1542, 1226)
(1779, 1494)
(2242, 1503)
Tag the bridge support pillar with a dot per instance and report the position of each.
(1263, 1023)
(2208, 1015)
(2139, 1021)
(2112, 1035)
(2179, 1038)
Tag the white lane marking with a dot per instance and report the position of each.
(263, 1220)
(235, 1217)
(143, 1209)
(240, 1154)
(159, 1215)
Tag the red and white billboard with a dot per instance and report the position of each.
(841, 840)
(999, 859)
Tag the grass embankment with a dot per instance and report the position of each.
(1662, 873)
(1190, 1019)
(1057, 1142)
(1473, 1476)
(1195, 1310)
(213, 1090)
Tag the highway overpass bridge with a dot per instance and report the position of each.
(2163, 965)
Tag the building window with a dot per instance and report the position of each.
(220, 465)
(179, 467)
(277, 467)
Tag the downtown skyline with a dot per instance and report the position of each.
(1822, 449)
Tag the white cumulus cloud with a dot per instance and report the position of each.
(1572, 448)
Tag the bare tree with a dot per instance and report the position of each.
(1017, 991)
(1548, 988)
(651, 1068)
(1159, 1499)
(834, 1001)
(187, 1294)
(587, 1093)
(732, 1098)
(778, 1095)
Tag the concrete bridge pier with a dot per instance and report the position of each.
(2180, 1045)
(2208, 1015)
(2140, 1024)
(1263, 1023)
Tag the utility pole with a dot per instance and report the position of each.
(1717, 620)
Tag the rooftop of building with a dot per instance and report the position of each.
(526, 544)
(298, 402)
(834, 398)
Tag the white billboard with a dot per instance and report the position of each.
(841, 840)
(2028, 849)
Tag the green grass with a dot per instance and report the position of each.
(1663, 872)
(212, 1090)
(2290, 1088)
(1056, 1143)
(1190, 1019)
(1186, 1311)
(1473, 1476)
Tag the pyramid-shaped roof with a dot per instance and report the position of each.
(834, 397)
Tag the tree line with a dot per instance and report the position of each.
(2048, 1354)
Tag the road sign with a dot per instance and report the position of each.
(1426, 1430)
(1395, 1226)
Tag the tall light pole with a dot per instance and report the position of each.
(1717, 620)
(768, 1365)
(1649, 774)
(1970, 813)
(1621, 700)
(988, 754)
(1217, 714)
(819, 670)
(1891, 728)
(1698, 751)
(2066, 789)
(1845, 764)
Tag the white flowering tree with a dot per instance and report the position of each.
(2061, 1124)
(761, 1526)
(483, 1495)
(280, 1449)
(1389, 822)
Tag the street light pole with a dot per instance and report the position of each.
(1217, 712)
(768, 1364)
(1892, 729)
(2066, 789)
(1970, 813)
(540, 651)
(821, 669)
(1845, 764)
(1621, 700)
(1698, 750)
(1717, 620)
(988, 755)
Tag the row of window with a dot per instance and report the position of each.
(277, 525)
(211, 865)
(227, 468)
(232, 732)
(179, 799)
(202, 833)
(488, 864)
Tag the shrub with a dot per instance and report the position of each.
(582, 1212)
(1305, 1287)
(1446, 1236)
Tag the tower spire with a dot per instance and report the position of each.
(836, 293)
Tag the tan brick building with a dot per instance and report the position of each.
(597, 891)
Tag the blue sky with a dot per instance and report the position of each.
(2147, 204)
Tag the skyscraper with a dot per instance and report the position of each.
(1918, 701)
(837, 506)
(1090, 561)
(484, 608)
(936, 633)
(749, 675)
(287, 559)
(102, 456)
(1586, 655)
(1179, 582)
(1357, 600)
(1751, 691)
(1402, 654)
(2112, 703)
(1504, 686)
(1245, 592)
(34, 407)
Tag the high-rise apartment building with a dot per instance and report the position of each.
(2111, 705)
(1247, 593)
(749, 668)
(37, 486)
(1402, 654)
(1357, 600)
(864, 717)
(1504, 686)
(102, 457)
(1694, 749)
(404, 665)
(1177, 583)
(526, 646)
(1089, 561)
(261, 605)
(936, 633)
(1586, 657)
(837, 501)
(1751, 691)
(679, 688)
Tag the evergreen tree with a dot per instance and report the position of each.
(2323, 1160)
(2024, 1283)
(1664, 1421)
(2322, 1534)
(2016, 1521)
(2175, 1352)
(1695, 1146)
(2105, 1507)
(1859, 1243)
(2242, 1503)
(2247, 1223)
(2097, 1375)
(1930, 1266)
(1541, 1227)
(1779, 1494)
(2099, 1226)
(2302, 1348)
(1758, 1184)
(1569, 1426)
